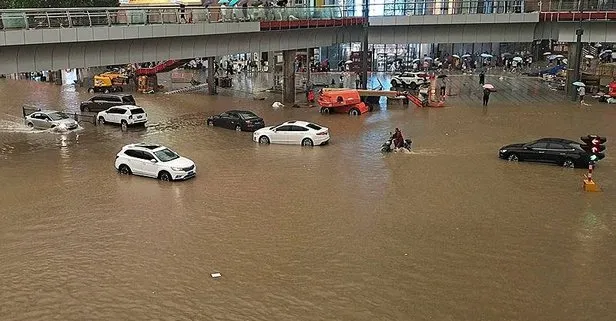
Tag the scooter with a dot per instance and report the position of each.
(386, 147)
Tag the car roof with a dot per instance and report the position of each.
(239, 111)
(300, 122)
(127, 106)
(145, 146)
(557, 140)
(112, 95)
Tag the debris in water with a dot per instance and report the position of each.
(216, 275)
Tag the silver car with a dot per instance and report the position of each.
(46, 119)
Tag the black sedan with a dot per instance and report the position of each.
(240, 120)
(559, 151)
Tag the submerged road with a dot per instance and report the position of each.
(339, 232)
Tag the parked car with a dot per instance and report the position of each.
(125, 116)
(153, 160)
(103, 102)
(559, 151)
(240, 120)
(409, 79)
(46, 119)
(293, 132)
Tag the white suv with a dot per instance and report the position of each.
(409, 79)
(153, 160)
(124, 115)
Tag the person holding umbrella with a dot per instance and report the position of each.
(581, 91)
(487, 90)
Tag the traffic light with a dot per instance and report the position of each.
(594, 146)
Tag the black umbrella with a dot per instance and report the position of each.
(441, 76)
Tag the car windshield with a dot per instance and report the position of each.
(247, 115)
(166, 155)
(57, 116)
(129, 100)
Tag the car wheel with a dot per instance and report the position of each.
(86, 109)
(354, 112)
(568, 163)
(31, 125)
(238, 128)
(101, 120)
(307, 142)
(210, 123)
(413, 86)
(394, 83)
(164, 176)
(513, 158)
(125, 170)
(264, 140)
(91, 90)
(124, 125)
(325, 111)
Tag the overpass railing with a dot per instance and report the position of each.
(577, 5)
(89, 17)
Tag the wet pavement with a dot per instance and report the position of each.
(339, 232)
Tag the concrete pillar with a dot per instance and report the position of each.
(309, 57)
(271, 61)
(288, 71)
(211, 87)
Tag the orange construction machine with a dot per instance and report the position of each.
(342, 101)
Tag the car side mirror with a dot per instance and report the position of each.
(153, 160)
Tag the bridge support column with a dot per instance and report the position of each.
(309, 56)
(288, 72)
(211, 87)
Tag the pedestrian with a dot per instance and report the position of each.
(182, 13)
(358, 81)
(482, 78)
(581, 93)
(443, 85)
(486, 96)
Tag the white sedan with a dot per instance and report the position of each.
(293, 132)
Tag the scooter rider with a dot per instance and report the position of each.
(398, 139)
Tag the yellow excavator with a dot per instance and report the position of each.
(108, 82)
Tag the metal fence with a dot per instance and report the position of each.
(77, 116)
(577, 6)
(89, 17)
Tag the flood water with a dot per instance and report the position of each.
(339, 232)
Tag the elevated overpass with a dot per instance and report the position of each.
(52, 39)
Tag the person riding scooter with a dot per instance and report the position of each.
(395, 139)
(398, 139)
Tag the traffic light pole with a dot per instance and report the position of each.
(593, 145)
(364, 52)
(577, 63)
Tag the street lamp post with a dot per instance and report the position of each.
(364, 52)
(576, 66)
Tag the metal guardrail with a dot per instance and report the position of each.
(77, 116)
(576, 5)
(89, 17)
(45, 18)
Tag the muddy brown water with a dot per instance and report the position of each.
(339, 232)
